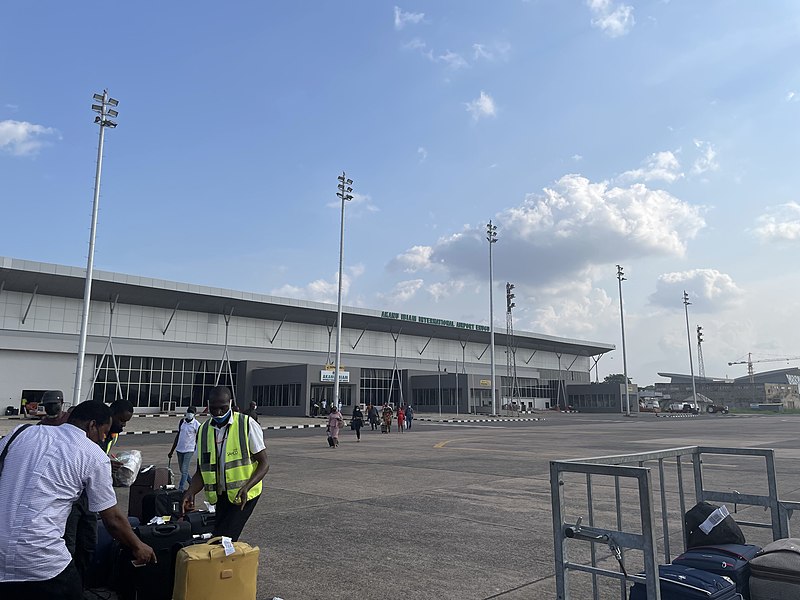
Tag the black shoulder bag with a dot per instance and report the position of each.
(5, 450)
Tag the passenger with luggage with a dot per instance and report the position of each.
(357, 422)
(232, 462)
(335, 422)
(46, 470)
(186, 445)
(372, 413)
(409, 416)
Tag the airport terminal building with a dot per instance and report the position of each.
(163, 345)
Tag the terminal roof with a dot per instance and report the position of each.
(59, 280)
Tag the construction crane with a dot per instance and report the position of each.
(750, 362)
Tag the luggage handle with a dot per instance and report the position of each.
(730, 553)
(165, 530)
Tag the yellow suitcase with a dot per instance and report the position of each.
(203, 572)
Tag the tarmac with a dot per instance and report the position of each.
(168, 423)
(461, 510)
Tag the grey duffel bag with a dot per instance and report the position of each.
(775, 571)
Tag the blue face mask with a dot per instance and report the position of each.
(221, 420)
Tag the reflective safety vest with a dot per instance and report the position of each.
(109, 442)
(238, 463)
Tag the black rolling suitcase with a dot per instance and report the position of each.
(201, 521)
(162, 503)
(154, 581)
(148, 481)
(728, 560)
(106, 551)
(685, 583)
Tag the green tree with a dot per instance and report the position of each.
(615, 378)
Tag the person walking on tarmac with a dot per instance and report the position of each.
(409, 416)
(372, 413)
(335, 423)
(357, 422)
(231, 464)
(401, 420)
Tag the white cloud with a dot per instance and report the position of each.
(577, 309)
(453, 60)
(416, 258)
(615, 19)
(707, 161)
(402, 291)
(480, 51)
(708, 289)
(421, 47)
(444, 289)
(577, 157)
(402, 18)
(322, 290)
(658, 166)
(359, 204)
(422, 153)
(21, 138)
(572, 226)
(792, 97)
(483, 106)
(490, 52)
(779, 223)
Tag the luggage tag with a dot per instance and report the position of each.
(227, 544)
(714, 519)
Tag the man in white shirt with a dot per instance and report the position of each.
(45, 471)
(186, 444)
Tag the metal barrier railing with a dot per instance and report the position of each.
(632, 468)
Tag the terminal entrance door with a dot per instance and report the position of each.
(322, 394)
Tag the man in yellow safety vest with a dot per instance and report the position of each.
(232, 482)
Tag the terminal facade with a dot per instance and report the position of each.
(162, 345)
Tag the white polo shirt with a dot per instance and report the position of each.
(187, 435)
(46, 470)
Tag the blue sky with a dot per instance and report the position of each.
(660, 135)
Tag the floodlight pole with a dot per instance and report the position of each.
(104, 112)
(345, 196)
(686, 304)
(620, 279)
(491, 237)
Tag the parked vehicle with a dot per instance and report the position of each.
(717, 408)
(650, 406)
(684, 407)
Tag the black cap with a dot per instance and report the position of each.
(52, 397)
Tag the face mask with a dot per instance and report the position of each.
(222, 419)
(188, 417)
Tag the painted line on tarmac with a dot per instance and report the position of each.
(468, 426)
(500, 420)
(263, 427)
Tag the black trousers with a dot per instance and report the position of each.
(80, 535)
(64, 586)
(231, 518)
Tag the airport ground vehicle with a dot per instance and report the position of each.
(685, 407)
(717, 408)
